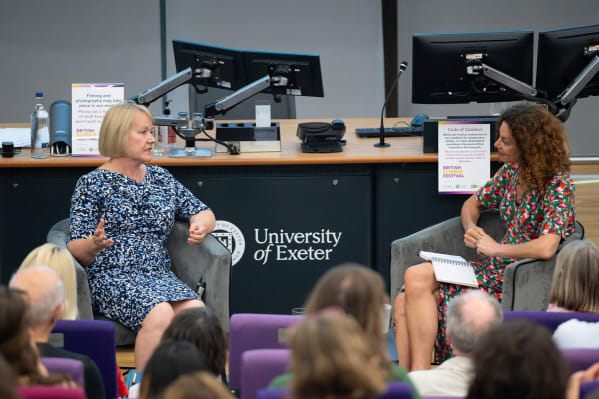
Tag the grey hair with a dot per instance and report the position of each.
(464, 327)
(40, 310)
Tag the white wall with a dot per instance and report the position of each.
(47, 45)
(347, 34)
(433, 16)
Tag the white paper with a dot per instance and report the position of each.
(90, 101)
(451, 269)
(464, 156)
(262, 115)
(20, 136)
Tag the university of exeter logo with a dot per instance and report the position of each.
(231, 237)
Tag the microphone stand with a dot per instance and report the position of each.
(381, 143)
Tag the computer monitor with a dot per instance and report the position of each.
(211, 66)
(562, 55)
(440, 63)
(291, 74)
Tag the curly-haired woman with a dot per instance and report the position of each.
(534, 195)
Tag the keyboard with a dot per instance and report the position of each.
(401, 131)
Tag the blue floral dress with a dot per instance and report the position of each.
(129, 278)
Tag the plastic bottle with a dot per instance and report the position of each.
(40, 135)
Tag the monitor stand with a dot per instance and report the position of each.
(185, 153)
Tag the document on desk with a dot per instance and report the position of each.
(20, 136)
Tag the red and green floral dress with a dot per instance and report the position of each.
(538, 212)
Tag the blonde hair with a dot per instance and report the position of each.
(199, 385)
(575, 283)
(331, 357)
(60, 260)
(360, 292)
(115, 128)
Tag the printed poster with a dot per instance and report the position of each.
(464, 156)
(90, 101)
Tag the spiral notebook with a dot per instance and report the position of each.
(451, 269)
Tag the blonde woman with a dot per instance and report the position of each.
(331, 357)
(575, 286)
(59, 260)
(121, 216)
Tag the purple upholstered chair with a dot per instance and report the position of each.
(395, 390)
(255, 331)
(45, 392)
(259, 367)
(95, 339)
(72, 367)
(588, 387)
(580, 359)
(549, 319)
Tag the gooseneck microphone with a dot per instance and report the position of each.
(381, 143)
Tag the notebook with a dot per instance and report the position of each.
(451, 269)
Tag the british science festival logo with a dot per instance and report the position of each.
(279, 245)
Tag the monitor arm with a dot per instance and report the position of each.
(566, 100)
(147, 97)
(477, 68)
(250, 90)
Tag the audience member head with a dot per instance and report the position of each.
(170, 360)
(331, 357)
(360, 292)
(16, 345)
(60, 260)
(116, 126)
(469, 316)
(201, 327)
(518, 360)
(45, 293)
(575, 285)
(541, 140)
(200, 385)
(8, 382)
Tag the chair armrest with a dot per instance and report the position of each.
(526, 284)
(446, 237)
(209, 261)
(59, 235)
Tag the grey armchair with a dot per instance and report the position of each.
(210, 261)
(526, 282)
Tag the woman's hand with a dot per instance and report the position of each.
(487, 246)
(472, 235)
(98, 241)
(197, 233)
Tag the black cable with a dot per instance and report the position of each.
(233, 149)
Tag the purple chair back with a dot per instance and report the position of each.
(259, 367)
(72, 367)
(46, 392)
(549, 319)
(587, 387)
(395, 390)
(580, 359)
(95, 339)
(255, 331)
(272, 393)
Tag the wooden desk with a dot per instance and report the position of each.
(295, 214)
(356, 151)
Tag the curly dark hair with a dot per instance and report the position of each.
(542, 142)
(518, 360)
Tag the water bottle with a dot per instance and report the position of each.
(40, 134)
